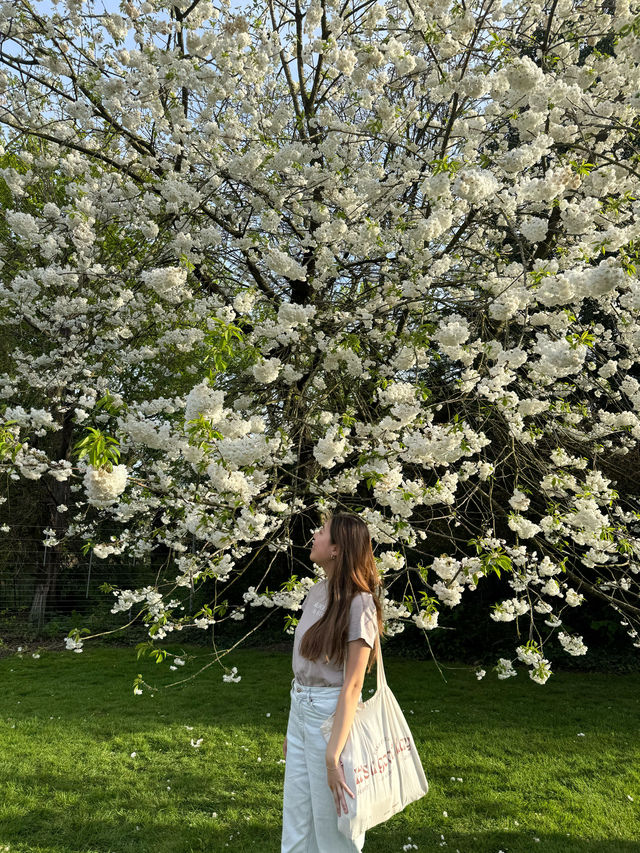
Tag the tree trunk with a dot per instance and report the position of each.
(57, 493)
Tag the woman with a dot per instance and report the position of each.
(333, 643)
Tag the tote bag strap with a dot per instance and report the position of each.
(381, 677)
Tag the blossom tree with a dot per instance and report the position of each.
(308, 255)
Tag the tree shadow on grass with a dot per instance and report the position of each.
(75, 815)
(53, 829)
(386, 838)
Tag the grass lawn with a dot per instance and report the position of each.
(87, 767)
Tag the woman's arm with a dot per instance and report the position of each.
(356, 666)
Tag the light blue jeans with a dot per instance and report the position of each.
(309, 818)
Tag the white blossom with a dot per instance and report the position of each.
(204, 401)
(551, 587)
(73, 644)
(475, 185)
(284, 265)
(573, 598)
(572, 645)
(519, 501)
(267, 371)
(104, 486)
(232, 676)
(23, 224)
(524, 527)
(330, 449)
(168, 282)
(505, 669)
(540, 672)
(426, 620)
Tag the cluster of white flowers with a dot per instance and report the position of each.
(551, 587)
(331, 448)
(439, 445)
(475, 185)
(73, 644)
(447, 568)
(572, 645)
(571, 286)
(267, 370)
(168, 282)
(523, 157)
(104, 486)
(204, 401)
(144, 431)
(349, 358)
(232, 676)
(290, 314)
(523, 75)
(509, 610)
(127, 598)
(239, 486)
(524, 527)
(390, 561)
(397, 392)
(449, 593)
(452, 333)
(562, 459)
(102, 550)
(534, 229)
(32, 463)
(394, 614)
(573, 598)
(557, 358)
(547, 568)
(505, 669)
(284, 265)
(221, 568)
(540, 670)
(519, 501)
(289, 598)
(528, 656)
(23, 224)
(243, 302)
(251, 449)
(40, 419)
(426, 619)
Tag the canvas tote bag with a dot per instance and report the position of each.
(380, 761)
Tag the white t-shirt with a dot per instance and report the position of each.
(363, 624)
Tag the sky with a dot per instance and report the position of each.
(112, 5)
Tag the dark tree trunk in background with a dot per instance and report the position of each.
(57, 493)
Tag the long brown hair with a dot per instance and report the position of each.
(355, 572)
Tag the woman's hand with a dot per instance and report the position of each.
(338, 785)
(284, 748)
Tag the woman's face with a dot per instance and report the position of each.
(322, 550)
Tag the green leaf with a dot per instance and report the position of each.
(143, 649)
